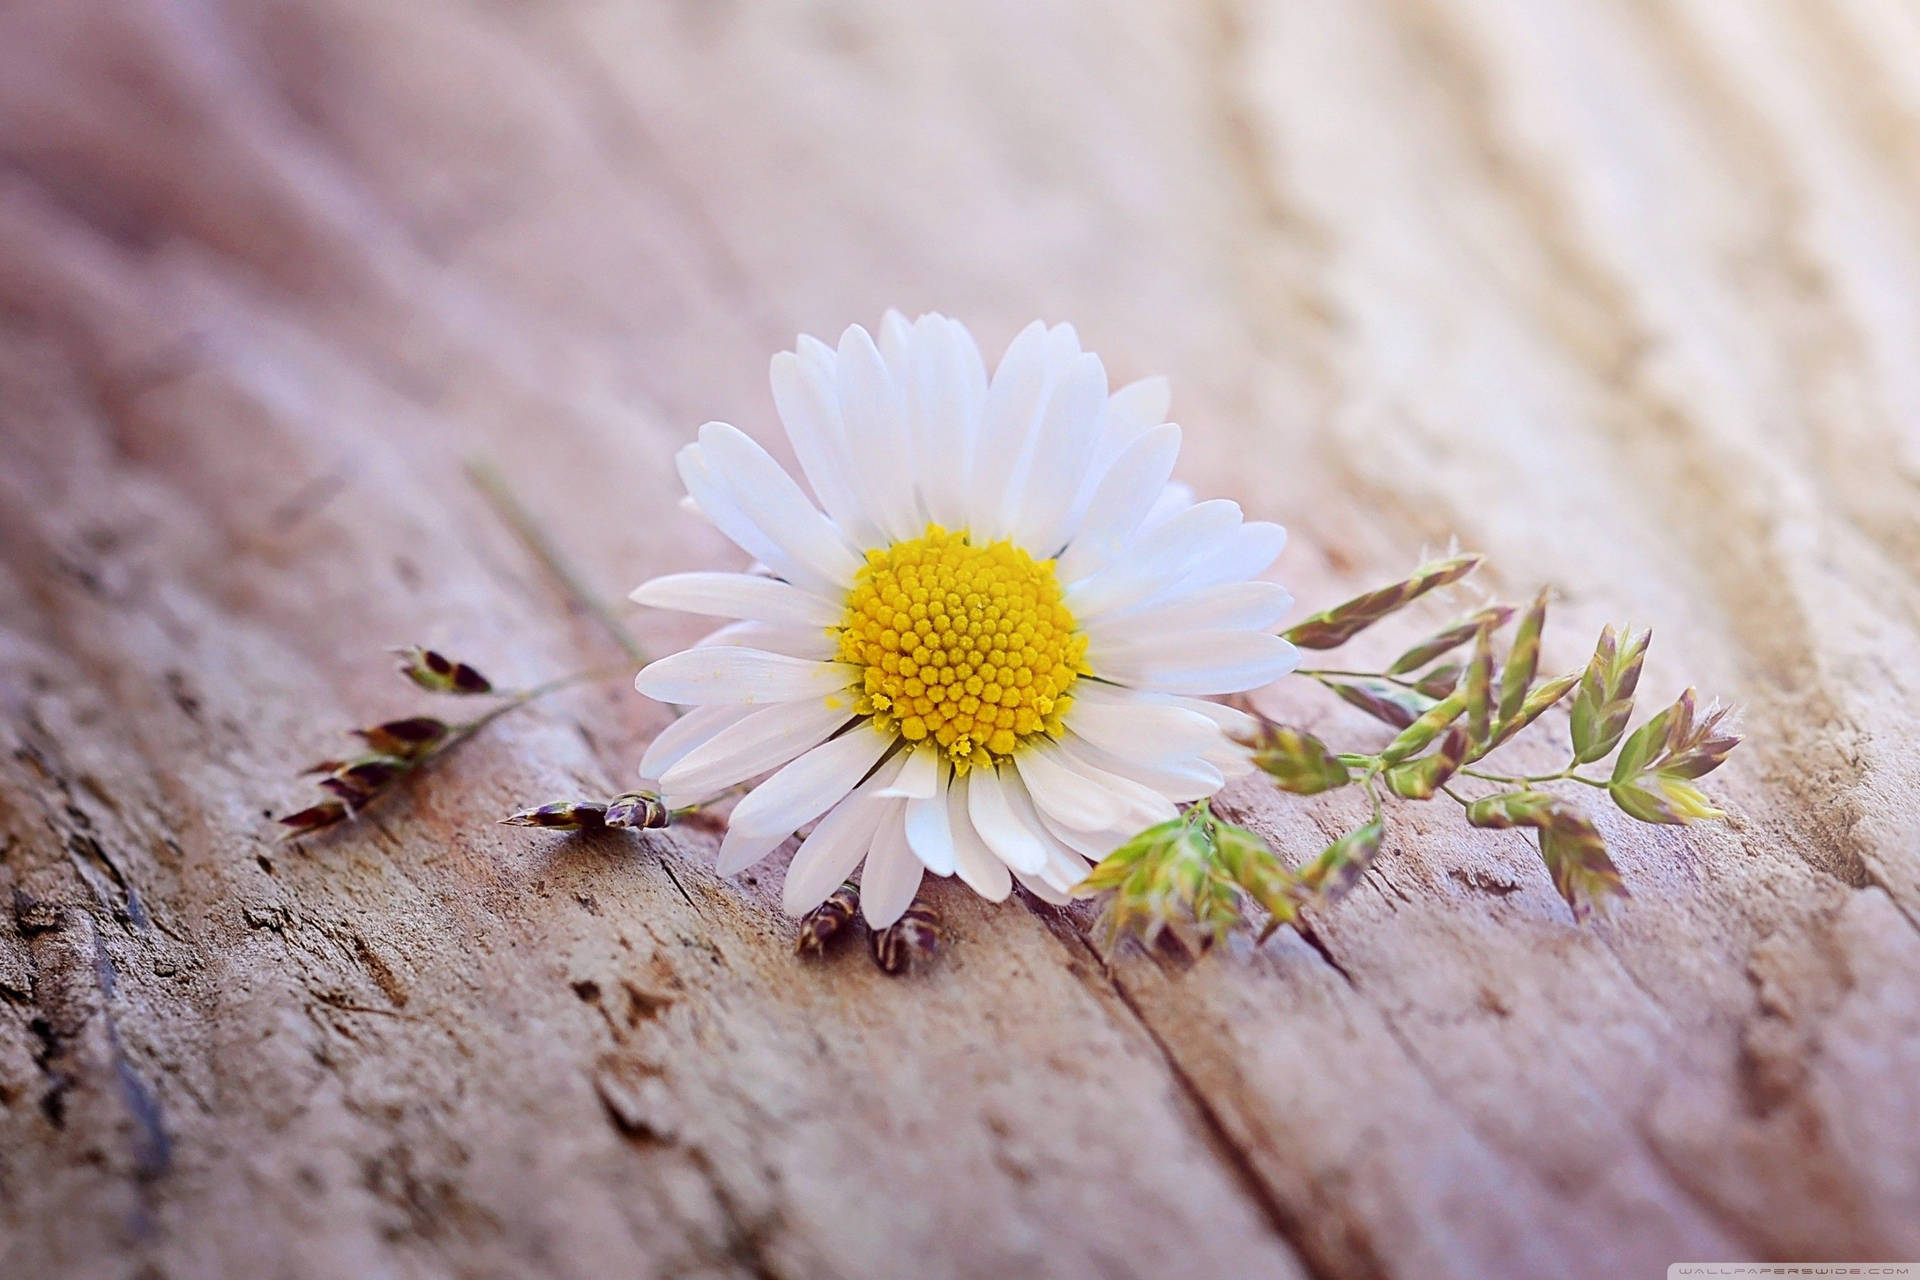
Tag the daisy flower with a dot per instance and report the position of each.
(987, 650)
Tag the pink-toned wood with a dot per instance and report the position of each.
(1623, 294)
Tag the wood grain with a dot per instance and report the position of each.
(1625, 294)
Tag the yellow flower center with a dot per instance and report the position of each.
(968, 646)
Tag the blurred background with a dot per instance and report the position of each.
(1624, 293)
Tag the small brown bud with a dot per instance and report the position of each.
(407, 739)
(636, 809)
(437, 673)
(830, 920)
(1442, 680)
(361, 779)
(913, 939)
(324, 814)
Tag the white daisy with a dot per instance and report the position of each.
(986, 651)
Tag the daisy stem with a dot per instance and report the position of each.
(499, 495)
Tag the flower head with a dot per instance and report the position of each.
(986, 651)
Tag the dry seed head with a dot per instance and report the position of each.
(407, 739)
(1388, 703)
(1419, 778)
(1342, 863)
(1576, 856)
(1296, 761)
(437, 673)
(324, 814)
(560, 815)
(1480, 687)
(1523, 660)
(1333, 627)
(1450, 639)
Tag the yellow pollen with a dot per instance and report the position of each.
(968, 647)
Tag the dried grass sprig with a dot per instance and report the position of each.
(1199, 873)
(398, 749)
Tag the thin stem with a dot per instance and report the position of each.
(1323, 673)
(513, 702)
(1565, 775)
(494, 488)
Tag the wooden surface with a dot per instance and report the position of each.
(1625, 294)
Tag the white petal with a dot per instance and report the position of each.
(1142, 404)
(929, 833)
(1225, 606)
(764, 740)
(950, 388)
(718, 504)
(1253, 547)
(1158, 559)
(1061, 453)
(801, 791)
(1230, 760)
(1121, 501)
(1064, 868)
(892, 874)
(1198, 661)
(814, 643)
(896, 345)
(836, 845)
(1014, 842)
(1233, 722)
(1068, 796)
(920, 774)
(1040, 889)
(1173, 499)
(1177, 778)
(1243, 554)
(1006, 423)
(726, 674)
(775, 503)
(1093, 844)
(978, 867)
(879, 445)
(806, 391)
(738, 595)
(1119, 719)
(1133, 804)
(672, 743)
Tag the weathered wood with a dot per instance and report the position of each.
(1622, 293)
